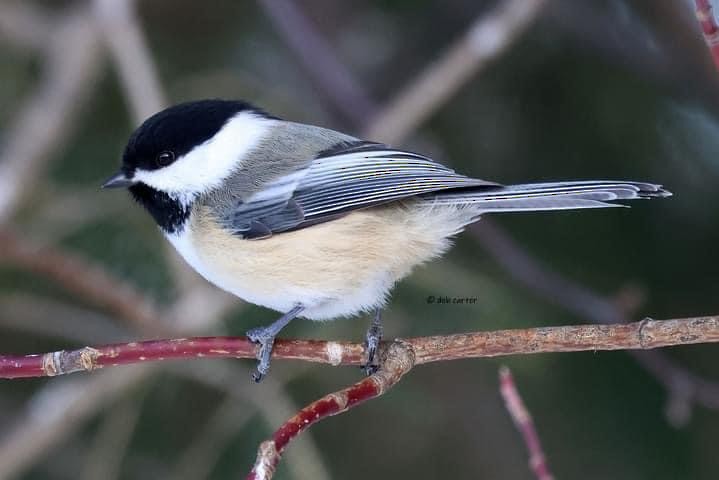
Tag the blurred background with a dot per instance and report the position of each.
(509, 90)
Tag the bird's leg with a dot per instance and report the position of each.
(265, 336)
(374, 337)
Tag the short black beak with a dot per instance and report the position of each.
(119, 180)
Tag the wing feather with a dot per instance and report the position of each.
(350, 177)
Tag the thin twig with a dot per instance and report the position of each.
(710, 29)
(642, 335)
(524, 423)
(397, 360)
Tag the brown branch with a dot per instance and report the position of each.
(398, 359)
(710, 29)
(524, 423)
(642, 335)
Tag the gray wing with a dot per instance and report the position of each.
(348, 177)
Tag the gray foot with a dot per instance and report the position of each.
(266, 340)
(265, 337)
(374, 337)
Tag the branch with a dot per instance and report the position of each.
(710, 29)
(524, 423)
(398, 359)
(642, 335)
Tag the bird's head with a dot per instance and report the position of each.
(189, 148)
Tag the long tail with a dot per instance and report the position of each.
(549, 196)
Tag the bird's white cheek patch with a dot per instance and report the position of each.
(207, 165)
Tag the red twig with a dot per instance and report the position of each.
(87, 359)
(523, 420)
(710, 29)
(398, 359)
(642, 335)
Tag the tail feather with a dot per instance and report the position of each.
(548, 196)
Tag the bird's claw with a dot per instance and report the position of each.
(266, 342)
(374, 337)
(371, 345)
(265, 337)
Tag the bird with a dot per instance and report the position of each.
(311, 222)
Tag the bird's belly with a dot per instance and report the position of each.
(337, 268)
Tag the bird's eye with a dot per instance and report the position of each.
(165, 158)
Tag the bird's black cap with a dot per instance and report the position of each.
(178, 130)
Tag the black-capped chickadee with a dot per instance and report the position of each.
(308, 221)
